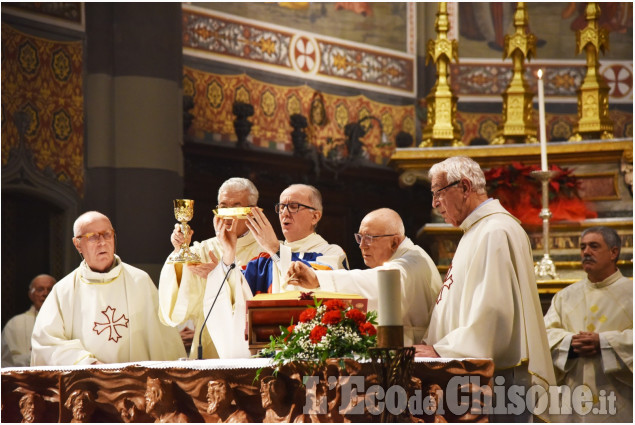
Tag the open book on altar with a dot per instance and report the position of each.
(267, 312)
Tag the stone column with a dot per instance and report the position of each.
(134, 124)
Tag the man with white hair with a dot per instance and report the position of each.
(181, 289)
(299, 212)
(384, 246)
(16, 335)
(105, 311)
(488, 306)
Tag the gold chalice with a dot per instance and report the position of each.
(183, 212)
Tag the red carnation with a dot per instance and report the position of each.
(290, 330)
(368, 329)
(317, 333)
(335, 305)
(307, 315)
(356, 315)
(332, 317)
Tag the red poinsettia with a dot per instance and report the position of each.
(367, 328)
(332, 317)
(317, 333)
(307, 315)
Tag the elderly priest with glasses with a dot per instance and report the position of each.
(299, 211)
(105, 311)
(384, 246)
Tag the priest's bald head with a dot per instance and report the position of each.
(458, 188)
(94, 239)
(380, 234)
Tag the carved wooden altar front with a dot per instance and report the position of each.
(232, 391)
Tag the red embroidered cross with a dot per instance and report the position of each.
(111, 324)
(449, 280)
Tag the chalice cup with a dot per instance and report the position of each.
(183, 212)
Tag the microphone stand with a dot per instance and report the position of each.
(200, 335)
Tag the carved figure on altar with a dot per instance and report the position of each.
(435, 397)
(219, 397)
(32, 408)
(81, 403)
(160, 402)
(131, 413)
(276, 401)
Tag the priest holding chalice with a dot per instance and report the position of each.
(182, 284)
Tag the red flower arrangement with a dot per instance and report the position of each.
(520, 193)
(329, 330)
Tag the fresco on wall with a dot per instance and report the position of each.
(377, 24)
(483, 26)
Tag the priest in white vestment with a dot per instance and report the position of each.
(488, 306)
(181, 289)
(16, 335)
(384, 246)
(299, 211)
(105, 311)
(590, 331)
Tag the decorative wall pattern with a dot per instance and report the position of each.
(326, 114)
(559, 126)
(491, 79)
(238, 41)
(65, 14)
(43, 78)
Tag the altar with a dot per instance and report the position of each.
(244, 390)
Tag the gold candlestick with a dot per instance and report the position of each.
(545, 268)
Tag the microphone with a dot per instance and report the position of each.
(200, 336)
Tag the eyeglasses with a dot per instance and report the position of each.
(108, 235)
(359, 238)
(292, 207)
(437, 193)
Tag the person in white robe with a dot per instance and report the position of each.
(590, 330)
(16, 335)
(299, 211)
(384, 246)
(105, 311)
(488, 306)
(181, 289)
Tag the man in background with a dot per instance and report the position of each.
(590, 331)
(16, 335)
(384, 246)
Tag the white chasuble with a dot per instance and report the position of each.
(420, 284)
(16, 339)
(605, 308)
(488, 306)
(182, 300)
(111, 317)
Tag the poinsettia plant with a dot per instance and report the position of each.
(520, 193)
(332, 329)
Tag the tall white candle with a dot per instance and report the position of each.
(389, 309)
(541, 117)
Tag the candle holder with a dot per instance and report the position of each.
(389, 336)
(545, 268)
(393, 366)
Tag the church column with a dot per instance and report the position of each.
(134, 124)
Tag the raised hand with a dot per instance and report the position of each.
(227, 235)
(262, 230)
(177, 238)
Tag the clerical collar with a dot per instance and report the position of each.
(606, 282)
(90, 276)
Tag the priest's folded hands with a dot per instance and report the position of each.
(302, 275)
